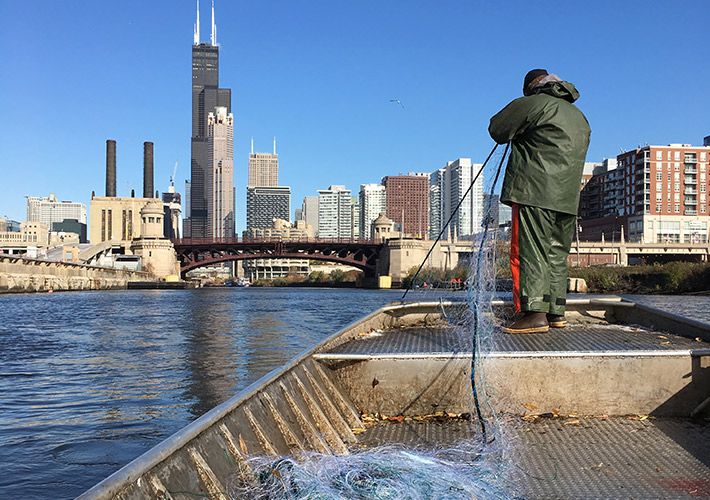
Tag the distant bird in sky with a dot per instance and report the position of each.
(398, 102)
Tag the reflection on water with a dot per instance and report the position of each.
(90, 380)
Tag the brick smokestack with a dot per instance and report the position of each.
(110, 168)
(147, 170)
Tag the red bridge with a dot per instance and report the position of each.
(356, 252)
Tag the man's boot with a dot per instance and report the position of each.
(531, 322)
(556, 320)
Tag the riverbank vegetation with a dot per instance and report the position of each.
(336, 278)
(670, 278)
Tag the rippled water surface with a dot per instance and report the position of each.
(90, 380)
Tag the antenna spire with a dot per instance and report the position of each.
(274, 144)
(197, 25)
(252, 145)
(213, 37)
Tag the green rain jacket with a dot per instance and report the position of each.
(549, 138)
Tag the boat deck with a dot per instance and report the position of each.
(613, 458)
(555, 454)
(591, 339)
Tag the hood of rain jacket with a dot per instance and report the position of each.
(549, 137)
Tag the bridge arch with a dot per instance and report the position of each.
(193, 253)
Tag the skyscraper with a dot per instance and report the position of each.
(309, 212)
(335, 213)
(266, 203)
(263, 168)
(408, 202)
(373, 202)
(220, 175)
(448, 187)
(206, 96)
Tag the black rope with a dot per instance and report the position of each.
(486, 224)
(414, 279)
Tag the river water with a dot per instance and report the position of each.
(90, 380)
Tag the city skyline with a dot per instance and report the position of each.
(326, 87)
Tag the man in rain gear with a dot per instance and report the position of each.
(549, 138)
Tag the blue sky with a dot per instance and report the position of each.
(319, 75)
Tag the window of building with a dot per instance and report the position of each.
(702, 167)
(659, 207)
(659, 186)
(702, 156)
(676, 155)
(669, 176)
(676, 197)
(669, 198)
(702, 177)
(669, 155)
(702, 208)
(676, 167)
(676, 176)
(659, 196)
(659, 176)
(702, 198)
(659, 155)
(669, 207)
(676, 186)
(702, 188)
(676, 207)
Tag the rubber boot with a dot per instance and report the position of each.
(556, 320)
(531, 322)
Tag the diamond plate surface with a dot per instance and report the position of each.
(614, 458)
(573, 338)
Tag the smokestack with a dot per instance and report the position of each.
(147, 169)
(110, 168)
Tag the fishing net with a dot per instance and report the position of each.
(471, 468)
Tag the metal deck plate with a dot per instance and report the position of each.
(573, 338)
(613, 458)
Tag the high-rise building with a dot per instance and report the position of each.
(206, 96)
(309, 212)
(657, 194)
(335, 213)
(186, 227)
(373, 202)
(469, 219)
(263, 168)
(50, 210)
(408, 202)
(220, 175)
(449, 189)
(172, 209)
(437, 209)
(266, 203)
(355, 216)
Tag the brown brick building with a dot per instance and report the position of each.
(408, 202)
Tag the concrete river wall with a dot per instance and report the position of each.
(19, 275)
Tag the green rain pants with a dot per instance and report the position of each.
(540, 243)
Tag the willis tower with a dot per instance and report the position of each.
(206, 95)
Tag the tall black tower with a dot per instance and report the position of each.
(206, 95)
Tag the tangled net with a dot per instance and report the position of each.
(380, 473)
(474, 468)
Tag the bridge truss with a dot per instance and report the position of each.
(198, 252)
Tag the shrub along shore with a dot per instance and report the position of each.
(678, 278)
